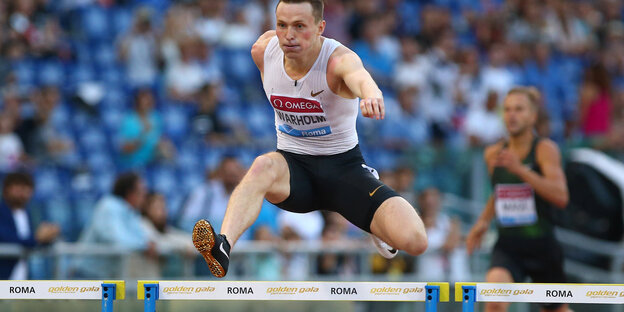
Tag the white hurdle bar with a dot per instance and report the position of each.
(106, 291)
(470, 293)
(430, 293)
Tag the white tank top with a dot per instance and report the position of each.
(310, 119)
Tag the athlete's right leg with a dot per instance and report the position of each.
(268, 178)
(498, 275)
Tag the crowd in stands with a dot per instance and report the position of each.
(93, 89)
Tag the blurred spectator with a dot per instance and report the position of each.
(335, 234)
(116, 222)
(404, 125)
(141, 133)
(471, 90)
(209, 200)
(138, 50)
(405, 183)
(11, 104)
(445, 259)
(43, 140)
(178, 23)
(206, 122)
(595, 102)
(209, 63)
(496, 74)
(11, 148)
(437, 97)
(184, 77)
(485, 127)
(527, 22)
(296, 227)
(411, 70)
(239, 33)
(211, 22)
(565, 30)
(371, 51)
(166, 237)
(16, 226)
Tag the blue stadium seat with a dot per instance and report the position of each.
(47, 183)
(25, 72)
(188, 157)
(81, 73)
(162, 179)
(95, 23)
(111, 117)
(104, 55)
(103, 181)
(121, 20)
(92, 138)
(190, 178)
(100, 159)
(175, 120)
(51, 73)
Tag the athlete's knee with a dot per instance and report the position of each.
(262, 171)
(413, 242)
(498, 275)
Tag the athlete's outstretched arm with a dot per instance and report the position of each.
(551, 185)
(350, 68)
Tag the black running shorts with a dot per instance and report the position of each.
(539, 259)
(340, 183)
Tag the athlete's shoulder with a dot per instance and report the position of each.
(343, 59)
(258, 48)
(547, 148)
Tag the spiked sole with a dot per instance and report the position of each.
(204, 241)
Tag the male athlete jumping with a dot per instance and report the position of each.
(314, 85)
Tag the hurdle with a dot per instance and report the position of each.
(430, 293)
(106, 291)
(470, 293)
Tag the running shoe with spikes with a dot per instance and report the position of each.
(214, 248)
(384, 249)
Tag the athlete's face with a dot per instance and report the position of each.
(296, 28)
(519, 114)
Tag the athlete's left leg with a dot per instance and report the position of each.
(397, 223)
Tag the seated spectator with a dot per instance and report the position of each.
(141, 134)
(484, 127)
(138, 50)
(11, 149)
(370, 50)
(16, 226)
(206, 122)
(405, 183)
(41, 137)
(296, 227)
(595, 102)
(171, 243)
(167, 238)
(445, 259)
(117, 223)
(335, 233)
(185, 76)
(209, 200)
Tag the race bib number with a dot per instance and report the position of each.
(515, 205)
(300, 117)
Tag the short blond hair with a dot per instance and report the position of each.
(532, 93)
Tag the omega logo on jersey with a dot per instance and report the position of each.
(295, 105)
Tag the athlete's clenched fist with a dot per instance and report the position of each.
(373, 108)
